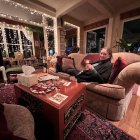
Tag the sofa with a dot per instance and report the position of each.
(111, 100)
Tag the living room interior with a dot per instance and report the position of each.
(40, 33)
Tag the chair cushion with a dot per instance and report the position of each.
(14, 70)
(109, 90)
(117, 67)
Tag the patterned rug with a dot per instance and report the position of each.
(7, 94)
(89, 126)
(92, 127)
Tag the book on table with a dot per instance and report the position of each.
(58, 98)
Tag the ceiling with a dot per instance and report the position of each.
(83, 11)
(87, 10)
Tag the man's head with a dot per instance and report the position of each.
(105, 53)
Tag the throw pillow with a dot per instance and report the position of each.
(116, 69)
(91, 57)
(67, 63)
(59, 62)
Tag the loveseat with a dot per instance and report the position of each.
(110, 100)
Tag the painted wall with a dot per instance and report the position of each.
(114, 28)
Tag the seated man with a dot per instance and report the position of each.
(98, 72)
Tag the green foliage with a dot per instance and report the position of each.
(122, 43)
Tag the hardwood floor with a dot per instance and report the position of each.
(131, 122)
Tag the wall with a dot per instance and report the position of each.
(114, 28)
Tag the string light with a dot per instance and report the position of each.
(32, 11)
(44, 23)
(20, 19)
(78, 31)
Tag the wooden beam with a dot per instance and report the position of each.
(68, 6)
(102, 7)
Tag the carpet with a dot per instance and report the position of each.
(89, 126)
(7, 94)
(94, 127)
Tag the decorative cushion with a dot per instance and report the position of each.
(117, 67)
(109, 90)
(67, 63)
(91, 57)
(59, 62)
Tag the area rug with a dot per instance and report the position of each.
(89, 126)
(93, 127)
(7, 94)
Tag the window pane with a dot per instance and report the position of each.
(51, 48)
(12, 49)
(24, 39)
(131, 34)
(11, 36)
(95, 40)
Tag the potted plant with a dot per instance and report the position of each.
(123, 44)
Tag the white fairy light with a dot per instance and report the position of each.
(31, 10)
(78, 31)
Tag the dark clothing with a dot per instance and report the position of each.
(72, 71)
(100, 74)
(1, 58)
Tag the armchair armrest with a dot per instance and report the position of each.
(129, 76)
(19, 121)
(109, 90)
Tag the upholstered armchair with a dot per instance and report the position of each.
(19, 121)
(111, 100)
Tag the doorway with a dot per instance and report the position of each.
(95, 40)
(69, 38)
